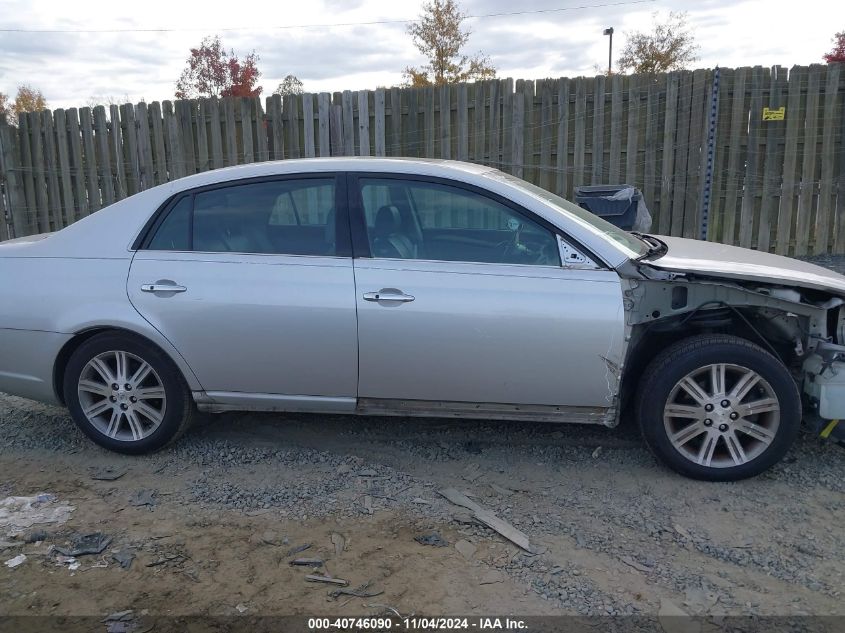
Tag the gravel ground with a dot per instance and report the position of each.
(613, 532)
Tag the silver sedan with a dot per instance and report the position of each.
(415, 288)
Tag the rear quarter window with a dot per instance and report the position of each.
(174, 233)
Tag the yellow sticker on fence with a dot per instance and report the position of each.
(774, 115)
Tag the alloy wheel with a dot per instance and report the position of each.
(122, 396)
(721, 415)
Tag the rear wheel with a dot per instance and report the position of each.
(126, 394)
(718, 407)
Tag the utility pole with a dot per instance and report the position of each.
(609, 32)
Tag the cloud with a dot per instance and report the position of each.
(71, 67)
(333, 6)
(336, 53)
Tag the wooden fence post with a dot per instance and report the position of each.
(773, 160)
(597, 169)
(826, 184)
(158, 175)
(364, 123)
(518, 150)
(839, 213)
(462, 130)
(412, 145)
(77, 164)
(507, 125)
(9, 173)
(248, 153)
(336, 128)
(324, 104)
(67, 206)
(808, 167)
(202, 136)
(25, 154)
(562, 150)
(580, 132)
(51, 171)
(546, 118)
(308, 125)
(396, 145)
(379, 120)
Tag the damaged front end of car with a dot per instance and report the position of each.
(804, 327)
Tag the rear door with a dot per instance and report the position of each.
(252, 282)
(462, 298)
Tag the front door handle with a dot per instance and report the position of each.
(381, 295)
(162, 288)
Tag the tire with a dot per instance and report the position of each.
(156, 409)
(688, 426)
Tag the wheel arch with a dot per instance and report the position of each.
(662, 311)
(85, 334)
(649, 339)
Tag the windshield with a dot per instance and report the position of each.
(634, 246)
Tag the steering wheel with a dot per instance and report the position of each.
(516, 252)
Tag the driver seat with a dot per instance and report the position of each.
(388, 239)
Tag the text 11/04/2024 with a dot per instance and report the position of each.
(417, 624)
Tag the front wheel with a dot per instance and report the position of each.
(126, 394)
(718, 408)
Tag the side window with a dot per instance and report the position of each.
(304, 206)
(409, 219)
(291, 217)
(174, 233)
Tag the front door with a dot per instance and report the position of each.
(253, 284)
(464, 300)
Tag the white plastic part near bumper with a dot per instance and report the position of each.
(824, 380)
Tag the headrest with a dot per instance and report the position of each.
(388, 220)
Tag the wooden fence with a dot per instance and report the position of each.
(704, 142)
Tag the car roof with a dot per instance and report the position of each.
(420, 166)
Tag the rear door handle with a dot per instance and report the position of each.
(388, 296)
(162, 288)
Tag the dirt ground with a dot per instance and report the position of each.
(612, 531)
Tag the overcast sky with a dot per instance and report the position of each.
(72, 67)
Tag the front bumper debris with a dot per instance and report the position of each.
(824, 380)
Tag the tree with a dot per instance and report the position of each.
(838, 52)
(5, 107)
(438, 36)
(291, 85)
(213, 72)
(670, 46)
(28, 99)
